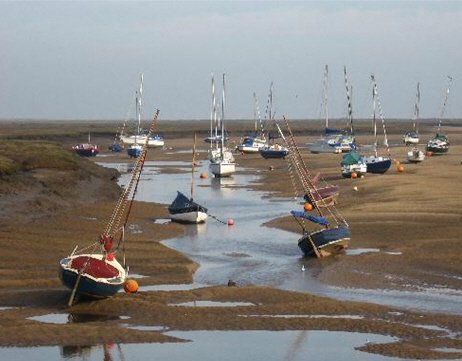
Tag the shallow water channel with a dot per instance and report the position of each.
(248, 253)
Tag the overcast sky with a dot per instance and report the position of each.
(82, 60)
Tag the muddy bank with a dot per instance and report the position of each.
(401, 213)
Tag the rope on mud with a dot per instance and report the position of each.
(218, 220)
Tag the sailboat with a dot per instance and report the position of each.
(272, 150)
(376, 163)
(331, 232)
(86, 149)
(439, 144)
(184, 209)
(140, 137)
(95, 271)
(333, 140)
(414, 155)
(256, 140)
(221, 159)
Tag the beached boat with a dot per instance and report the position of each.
(273, 151)
(352, 165)
(256, 140)
(333, 140)
(439, 144)
(140, 136)
(329, 232)
(375, 163)
(414, 155)
(86, 149)
(184, 209)
(95, 271)
(222, 163)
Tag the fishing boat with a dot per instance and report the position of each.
(333, 140)
(375, 163)
(329, 232)
(94, 270)
(439, 144)
(86, 149)
(184, 209)
(140, 136)
(256, 140)
(352, 165)
(222, 163)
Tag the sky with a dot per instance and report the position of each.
(83, 60)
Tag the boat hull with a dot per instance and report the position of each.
(327, 241)
(378, 165)
(153, 142)
(415, 156)
(91, 281)
(273, 154)
(189, 217)
(438, 149)
(222, 169)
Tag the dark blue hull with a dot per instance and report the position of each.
(276, 154)
(379, 167)
(88, 286)
(134, 152)
(87, 152)
(327, 242)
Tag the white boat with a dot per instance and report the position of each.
(333, 140)
(222, 163)
(140, 136)
(415, 155)
(412, 137)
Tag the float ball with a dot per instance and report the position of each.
(429, 153)
(354, 175)
(131, 286)
(230, 222)
(203, 175)
(110, 257)
(400, 169)
(308, 207)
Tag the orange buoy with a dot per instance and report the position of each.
(429, 153)
(203, 175)
(230, 222)
(354, 175)
(131, 286)
(400, 168)
(397, 162)
(308, 207)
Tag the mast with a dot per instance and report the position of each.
(374, 122)
(349, 93)
(443, 109)
(139, 104)
(193, 165)
(326, 112)
(415, 126)
(223, 115)
(212, 111)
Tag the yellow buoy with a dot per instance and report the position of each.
(308, 207)
(131, 286)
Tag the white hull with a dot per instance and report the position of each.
(222, 169)
(359, 168)
(190, 217)
(249, 149)
(139, 139)
(415, 156)
(410, 140)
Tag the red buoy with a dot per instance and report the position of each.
(230, 222)
(110, 257)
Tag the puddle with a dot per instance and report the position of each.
(162, 220)
(145, 328)
(202, 303)
(178, 287)
(65, 318)
(345, 317)
(357, 251)
(221, 345)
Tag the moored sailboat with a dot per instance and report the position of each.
(184, 209)
(95, 271)
(439, 144)
(331, 232)
(414, 155)
(86, 149)
(256, 140)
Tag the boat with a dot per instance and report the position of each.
(274, 151)
(86, 149)
(328, 233)
(256, 140)
(184, 209)
(415, 155)
(439, 144)
(134, 150)
(352, 165)
(412, 137)
(375, 163)
(222, 163)
(333, 140)
(141, 136)
(94, 271)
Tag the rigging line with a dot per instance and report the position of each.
(350, 109)
(217, 219)
(379, 106)
(443, 109)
